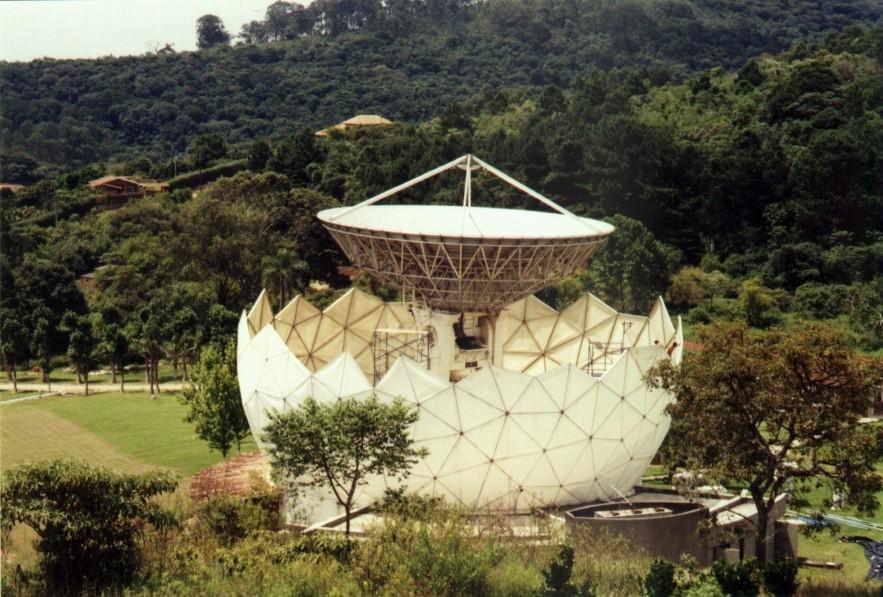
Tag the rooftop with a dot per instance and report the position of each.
(358, 120)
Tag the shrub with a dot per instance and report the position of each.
(513, 579)
(88, 519)
(660, 579)
(416, 558)
(410, 506)
(704, 586)
(613, 564)
(262, 547)
(780, 577)
(197, 178)
(264, 564)
(556, 577)
(739, 579)
(231, 519)
(820, 301)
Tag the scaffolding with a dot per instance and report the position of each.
(602, 355)
(390, 344)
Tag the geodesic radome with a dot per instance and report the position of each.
(551, 426)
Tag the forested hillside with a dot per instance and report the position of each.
(756, 195)
(407, 60)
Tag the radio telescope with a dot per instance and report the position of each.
(464, 258)
(521, 406)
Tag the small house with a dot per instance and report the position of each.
(114, 189)
(361, 120)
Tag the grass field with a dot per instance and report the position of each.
(829, 548)
(131, 432)
(10, 395)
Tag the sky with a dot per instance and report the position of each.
(91, 28)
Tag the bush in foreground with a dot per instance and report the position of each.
(87, 519)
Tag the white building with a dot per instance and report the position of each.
(520, 406)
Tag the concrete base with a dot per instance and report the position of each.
(708, 529)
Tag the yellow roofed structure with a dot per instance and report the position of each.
(354, 122)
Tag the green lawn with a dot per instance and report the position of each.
(10, 395)
(817, 495)
(130, 431)
(825, 547)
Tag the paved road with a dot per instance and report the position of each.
(94, 388)
(27, 398)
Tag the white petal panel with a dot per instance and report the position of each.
(539, 431)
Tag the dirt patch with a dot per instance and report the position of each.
(238, 476)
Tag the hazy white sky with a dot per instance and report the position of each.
(89, 28)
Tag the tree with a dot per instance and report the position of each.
(15, 345)
(220, 325)
(284, 273)
(254, 32)
(82, 344)
(342, 444)
(87, 519)
(777, 411)
(279, 21)
(314, 244)
(865, 305)
(293, 156)
(46, 291)
(632, 268)
(210, 32)
(258, 154)
(691, 285)
(148, 332)
(757, 302)
(213, 401)
(207, 148)
(41, 344)
(114, 348)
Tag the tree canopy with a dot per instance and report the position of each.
(778, 412)
(342, 445)
(213, 400)
(318, 65)
(210, 32)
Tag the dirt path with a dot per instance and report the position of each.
(75, 388)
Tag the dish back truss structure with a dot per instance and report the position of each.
(465, 258)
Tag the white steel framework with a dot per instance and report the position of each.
(464, 267)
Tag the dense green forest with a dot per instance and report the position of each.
(752, 194)
(406, 59)
(737, 148)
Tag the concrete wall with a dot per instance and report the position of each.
(667, 536)
(671, 535)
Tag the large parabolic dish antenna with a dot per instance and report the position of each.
(464, 258)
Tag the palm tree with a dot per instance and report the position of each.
(284, 273)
